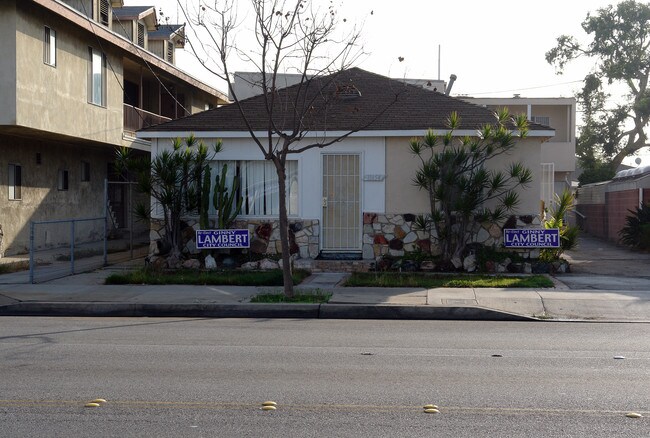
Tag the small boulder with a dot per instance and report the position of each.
(250, 266)
(469, 264)
(268, 264)
(210, 262)
(191, 264)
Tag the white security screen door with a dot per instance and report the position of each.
(341, 203)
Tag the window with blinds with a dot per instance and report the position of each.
(103, 12)
(140, 34)
(542, 120)
(170, 52)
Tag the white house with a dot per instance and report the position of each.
(355, 197)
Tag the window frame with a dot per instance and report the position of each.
(85, 171)
(49, 46)
(267, 201)
(63, 183)
(15, 182)
(96, 57)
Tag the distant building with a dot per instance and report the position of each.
(558, 159)
(77, 79)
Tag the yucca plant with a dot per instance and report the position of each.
(568, 233)
(636, 232)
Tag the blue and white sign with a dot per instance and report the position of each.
(531, 238)
(210, 239)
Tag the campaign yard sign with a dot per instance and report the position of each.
(211, 239)
(531, 238)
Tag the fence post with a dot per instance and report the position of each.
(72, 247)
(105, 221)
(31, 252)
(131, 218)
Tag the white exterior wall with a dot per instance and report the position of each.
(310, 192)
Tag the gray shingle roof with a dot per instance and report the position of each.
(406, 107)
(164, 31)
(130, 12)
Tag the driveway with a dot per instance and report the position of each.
(598, 264)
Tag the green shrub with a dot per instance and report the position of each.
(636, 232)
(568, 233)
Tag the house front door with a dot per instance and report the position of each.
(341, 218)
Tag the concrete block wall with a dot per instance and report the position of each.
(595, 221)
(618, 206)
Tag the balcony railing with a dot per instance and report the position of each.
(136, 118)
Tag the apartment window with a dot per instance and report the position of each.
(258, 185)
(85, 171)
(63, 180)
(542, 120)
(49, 47)
(97, 77)
(15, 181)
(170, 52)
(140, 34)
(103, 12)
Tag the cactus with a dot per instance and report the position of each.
(224, 201)
(204, 221)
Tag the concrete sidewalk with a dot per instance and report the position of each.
(86, 295)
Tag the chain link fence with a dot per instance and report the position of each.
(59, 248)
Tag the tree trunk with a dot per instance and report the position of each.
(284, 229)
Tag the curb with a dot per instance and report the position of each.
(256, 310)
(364, 311)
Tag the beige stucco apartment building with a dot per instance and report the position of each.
(558, 154)
(77, 79)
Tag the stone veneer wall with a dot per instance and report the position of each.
(395, 234)
(383, 234)
(304, 236)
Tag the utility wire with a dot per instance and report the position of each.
(525, 89)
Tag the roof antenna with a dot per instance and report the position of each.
(438, 61)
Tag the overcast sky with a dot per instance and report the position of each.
(496, 48)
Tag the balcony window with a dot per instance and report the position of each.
(15, 181)
(49, 47)
(97, 77)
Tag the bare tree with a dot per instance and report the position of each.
(289, 36)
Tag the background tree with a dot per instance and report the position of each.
(620, 50)
(289, 36)
(454, 173)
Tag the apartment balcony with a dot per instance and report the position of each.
(136, 119)
(562, 153)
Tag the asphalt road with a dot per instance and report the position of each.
(206, 378)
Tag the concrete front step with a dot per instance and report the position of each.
(334, 265)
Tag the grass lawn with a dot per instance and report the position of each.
(223, 278)
(314, 297)
(10, 267)
(430, 281)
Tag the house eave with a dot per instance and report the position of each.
(545, 135)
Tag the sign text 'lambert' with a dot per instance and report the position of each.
(531, 238)
(209, 239)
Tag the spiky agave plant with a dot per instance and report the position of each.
(636, 232)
